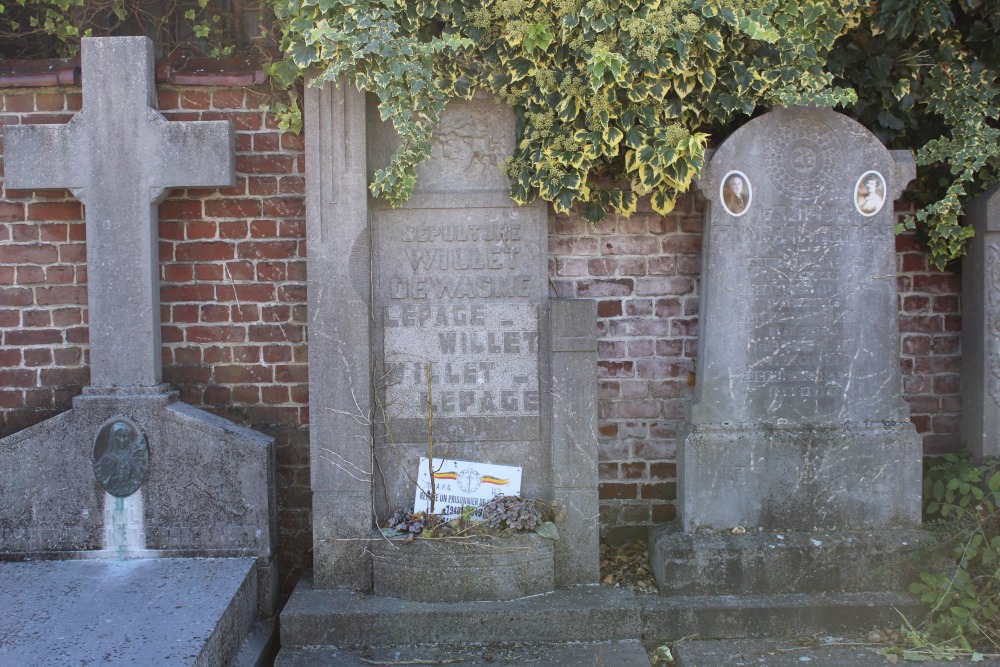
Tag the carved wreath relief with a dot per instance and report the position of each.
(121, 457)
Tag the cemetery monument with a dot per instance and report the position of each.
(132, 486)
(981, 328)
(798, 468)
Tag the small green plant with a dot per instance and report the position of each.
(961, 501)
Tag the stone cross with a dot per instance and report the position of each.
(120, 157)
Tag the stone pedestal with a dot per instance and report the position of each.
(466, 570)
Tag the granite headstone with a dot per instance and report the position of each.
(436, 327)
(798, 422)
(981, 328)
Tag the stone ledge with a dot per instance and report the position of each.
(329, 618)
(779, 562)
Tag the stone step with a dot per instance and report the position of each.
(629, 653)
(315, 617)
(774, 653)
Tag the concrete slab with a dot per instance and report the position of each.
(585, 654)
(171, 611)
(333, 617)
(773, 653)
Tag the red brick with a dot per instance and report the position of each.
(274, 394)
(246, 394)
(74, 253)
(284, 207)
(167, 99)
(265, 164)
(19, 103)
(38, 357)
(243, 374)
(292, 228)
(228, 99)
(609, 308)
(636, 470)
(54, 233)
(62, 317)
(271, 271)
(631, 409)
(274, 354)
(661, 491)
(937, 283)
(292, 293)
(599, 287)
(67, 210)
(178, 273)
(28, 254)
(220, 334)
(67, 356)
(263, 229)
(291, 373)
(11, 211)
(54, 377)
(214, 313)
(10, 357)
(201, 229)
(61, 295)
(36, 318)
(30, 275)
(60, 274)
(248, 313)
(216, 354)
(216, 395)
(618, 491)
(257, 293)
(202, 251)
(262, 185)
(15, 296)
(663, 286)
(232, 208)
(194, 99)
(661, 513)
(239, 271)
(267, 250)
(615, 369)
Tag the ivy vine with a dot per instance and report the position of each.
(616, 99)
(613, 92)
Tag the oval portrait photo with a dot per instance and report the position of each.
(869, 193)
(735, 193)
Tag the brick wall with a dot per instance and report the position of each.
(233, 309)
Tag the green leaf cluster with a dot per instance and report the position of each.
(607, 92)
(926, 73)
(961, 501)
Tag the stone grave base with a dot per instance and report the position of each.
(828, 652)
(190, 612)
(629, 653)
(779, 562)
(463, 570)
(209, 488)
(802, 478)
(338, 618)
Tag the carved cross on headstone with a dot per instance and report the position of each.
(120, 157)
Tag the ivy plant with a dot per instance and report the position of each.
(962, 506)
